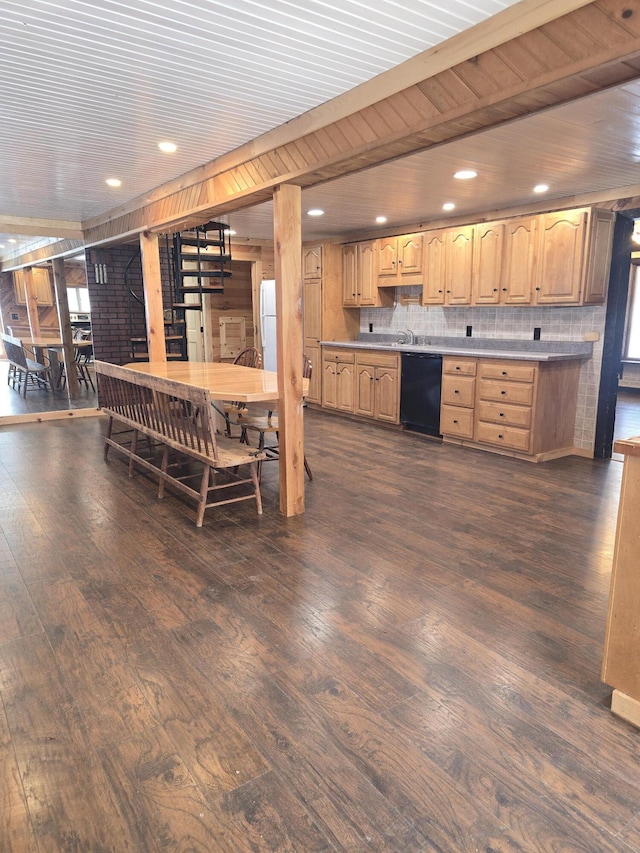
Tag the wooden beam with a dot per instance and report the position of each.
(68, 349)
(287, 231)
(31, 303)
(29, 226)
(152, 282)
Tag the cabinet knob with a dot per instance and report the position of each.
(495, 289)
(504, 372)
(537, 288)
(439, 291)
(455, 421)
(504, 289)
(457, 367)
(448, 291)
(501, 414)
(500, 436)
(456, 391)
(503, 393)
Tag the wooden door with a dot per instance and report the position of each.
(312, 262)
(365, 390)
(350, 275)
(459, 265)
(488, 246)
(387, 394)
(518, 270)
(312, 331)
(366, 276)
(561, 242)
(434, 268)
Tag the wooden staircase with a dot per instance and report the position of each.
(199, 262)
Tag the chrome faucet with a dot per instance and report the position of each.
(412, 338)
(407, 334)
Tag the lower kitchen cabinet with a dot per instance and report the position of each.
(362, 382)
(522, 408)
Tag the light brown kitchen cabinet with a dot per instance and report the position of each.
(312, 333)
(312, 262)
(448, 266)
(596, 276)
(363, 382)
(378, 386)
(359, 281)
(400, 260)
(488, 254)
(518, 267)
(562, 239)
(457, 399)
(338, 379)
(41, 286)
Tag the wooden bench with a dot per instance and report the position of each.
(23, 371)
(175, 417)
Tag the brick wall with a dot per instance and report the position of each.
(115, 316)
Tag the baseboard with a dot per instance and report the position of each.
(626, 707)
(41, 417)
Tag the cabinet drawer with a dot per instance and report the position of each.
(459, 366)
(344, 356)
(503, 436)
(377, 358)
(508, 392)
(459, 390)
(456, 421)
(514, 370)
(498, 413)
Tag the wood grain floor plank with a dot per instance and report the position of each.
(15, 826)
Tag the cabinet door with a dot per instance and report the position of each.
(350, 275)
(313, 353)
(330, 385)
(434, 271)
(312, 310)
(561, 243)
(42, 285)
(312, 262)
(345, 381)
(387, 257)
(387, 394)
(600, 242)
(18, 288)
(488, 247)
(519, 261)
(459, 265)
(410, 254)
(367, 285)
(365, 390)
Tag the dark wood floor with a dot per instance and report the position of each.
(36, 400)
(411, 666)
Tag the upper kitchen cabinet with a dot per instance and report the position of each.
(312, 262)
(359, 281)
(518, 267)
(448, 266)
(573, 257)
(488, 253)
(399, 260)
(41, 286)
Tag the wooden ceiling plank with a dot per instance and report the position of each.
(419, 103)
(476, 78)
(593, 19)
(498, 69)
(572, 39)
(625, 13)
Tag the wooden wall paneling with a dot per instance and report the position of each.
(288, 256)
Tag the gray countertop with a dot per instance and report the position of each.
(478, 347)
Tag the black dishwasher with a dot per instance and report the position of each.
(420, 391)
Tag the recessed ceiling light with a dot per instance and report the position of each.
(1, 245)
(113, 182)
(11, 240)
(465, 174)
(230, 232)
(315, 211)
(168, 147)
(449, 205)
(541, 188)
(381, 219)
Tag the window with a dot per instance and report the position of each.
(78, 299)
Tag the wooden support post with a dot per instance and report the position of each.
(32, 303)
(66, 333)
(152, 282)
(288, 265)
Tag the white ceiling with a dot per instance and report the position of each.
(88, 90)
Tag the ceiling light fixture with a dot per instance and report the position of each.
(315, 211)
(541, 188)
(2, 246)
(168, 147)
(465, 174)
(448, 205)
(231, 232)
(11, 240)
(381, 219)
(113, 182)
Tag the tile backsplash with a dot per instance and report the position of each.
(515, 323)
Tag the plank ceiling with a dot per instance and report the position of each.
(88, 90)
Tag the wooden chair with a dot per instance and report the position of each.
(249, 357)
(23, 371)
(264, 425)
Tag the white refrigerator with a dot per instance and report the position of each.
(268, 324)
